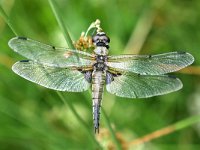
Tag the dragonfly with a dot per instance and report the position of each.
(72, 70)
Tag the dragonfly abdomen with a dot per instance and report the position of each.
(98, 81)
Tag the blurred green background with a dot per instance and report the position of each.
(35, 118)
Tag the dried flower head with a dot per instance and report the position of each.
(84, 43)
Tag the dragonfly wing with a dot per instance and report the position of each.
(49, 55)
(61, 79)
(131, 85)
(151, 64)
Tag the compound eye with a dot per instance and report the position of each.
(106, 39)
(95, 38)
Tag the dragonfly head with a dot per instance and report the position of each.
(101, 39)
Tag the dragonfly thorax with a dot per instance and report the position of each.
(100, 50)
(100, 63)
(101, 58)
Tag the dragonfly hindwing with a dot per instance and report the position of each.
(132, 85)
(61, 79)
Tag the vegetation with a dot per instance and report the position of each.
(35, 118)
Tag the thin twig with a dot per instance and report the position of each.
(167, 130)
(193, 70)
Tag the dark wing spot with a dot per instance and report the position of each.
(53, 47)
(150, 56)
(24, 60)
(181, 52)
(79, 69)
(119, 74)
(172, 76)
(22, 38)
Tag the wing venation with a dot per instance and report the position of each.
(50, 55)
(151, 64)
(61, 79)
(132, 85)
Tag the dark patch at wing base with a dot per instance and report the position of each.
(109, 77)
(22, 38)
(88, 76)
(172, 76)
(24, 60)
(181, 52)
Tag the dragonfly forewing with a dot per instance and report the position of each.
(151, 64)
(50, 55)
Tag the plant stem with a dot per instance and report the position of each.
(70, 44)
(143, 28)
(5, 17)
(78, 118)
(61, 23)
(167, 130)
(113, 135)
(186, 122)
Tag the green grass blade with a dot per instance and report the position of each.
(167, 130)
(61, 23)
(5, 17)
(187, 122)
(79, 118)
(70, 44)
(9, 108)
(113, 135)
